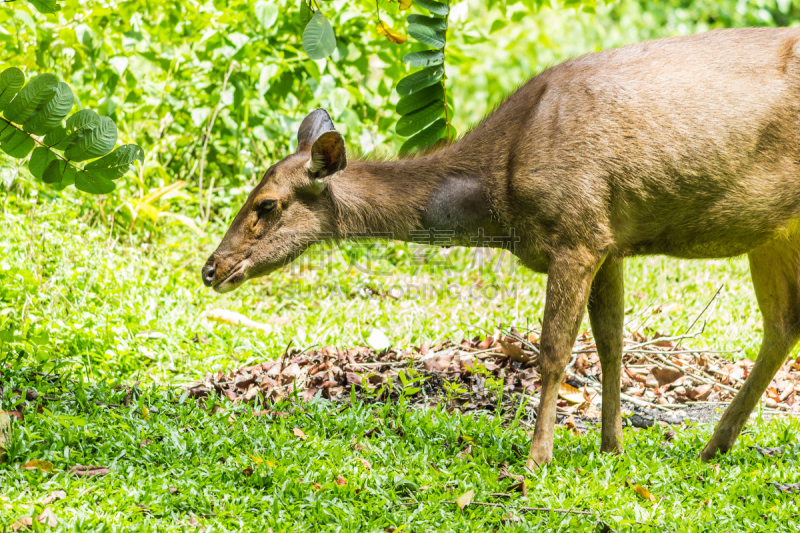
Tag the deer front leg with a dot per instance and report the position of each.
(569, 279)
(607, 315)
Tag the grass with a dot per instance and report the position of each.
(103, 307)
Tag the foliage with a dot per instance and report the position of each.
(175, 462)
(34, 113)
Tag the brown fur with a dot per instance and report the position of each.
(688, 146)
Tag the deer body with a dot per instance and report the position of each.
(688, 147)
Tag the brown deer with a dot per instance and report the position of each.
(686, 146)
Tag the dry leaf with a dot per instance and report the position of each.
(53, 496)
(341, 481)
(299, 434)
(392, 35)
(666, 376)
(316, 486)
(247, 472)
(570, 393)
(36, 464)
(173, 490)
(26, 522)
(88, 471)
(366, 464)
(223, 316)
(643, 492)
(438, 362)
(514, 352)
(48, 518)
(465, 499)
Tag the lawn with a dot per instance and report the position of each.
(104, 325)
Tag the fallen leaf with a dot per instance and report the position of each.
(643, 492)
(316, 486)
(88, 471)
(392, 35)
(519, 486)
(514, 352)
(16, 414)
(173, 490)
(223, 316)
(48, 518)
(247, 472)
(194, 522)
(299, 434)
(26, 522)
(438, 362)
(570, 393)
(465, 499)
(701, 392)
(341, 481)
(366, 464)
(53, 496)
(36, 464)
(511, 518)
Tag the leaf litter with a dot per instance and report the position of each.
(662, 382)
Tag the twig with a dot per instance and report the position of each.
(704, 309)
(531, 509)
(642, 403)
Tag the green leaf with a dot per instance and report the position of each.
(266, 13)
(305, 13)
(428, 58)
(55, 137)
(40, 158)
(437, 8)
(18, 144)
(425, 138)
(81, 119)
(88, 181)
(52, 113)
(117, 163)
(45, 6)
(420, 99)
(434, 23)
(498, 25)
(97, 140)
(6, 130)
(11, 81)
(419, 80)
(33, 96)
(413, 122)
(426, 35)
(318, 39)
(57, 170)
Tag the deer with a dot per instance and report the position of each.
(686, 146)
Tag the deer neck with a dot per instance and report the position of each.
(434, 195)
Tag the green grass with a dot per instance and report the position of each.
(103, 307)
(204, 453)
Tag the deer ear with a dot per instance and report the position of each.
(328, 155)
(315, 124)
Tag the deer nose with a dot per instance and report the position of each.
(208, 271)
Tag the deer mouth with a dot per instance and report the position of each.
(232, 280)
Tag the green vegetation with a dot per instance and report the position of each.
(104, 291)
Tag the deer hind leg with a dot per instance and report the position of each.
(775, 269)
(607, 313)
(568, 284)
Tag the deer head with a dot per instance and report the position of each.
(285, 213)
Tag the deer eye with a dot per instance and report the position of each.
(265, 206)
